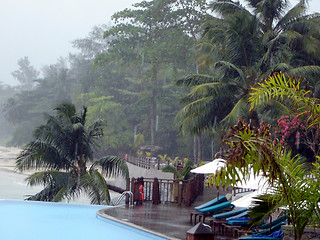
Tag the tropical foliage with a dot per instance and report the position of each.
(63, 151)
(237, 50)
(293, 181)
(180, 169)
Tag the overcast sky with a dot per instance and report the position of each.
(44, 29)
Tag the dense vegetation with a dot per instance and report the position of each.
(175, 67)
(125, 73)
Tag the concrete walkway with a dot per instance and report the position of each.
(167, 219)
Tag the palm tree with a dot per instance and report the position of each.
(63, 149)
(240, 48)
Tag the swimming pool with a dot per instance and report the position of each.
(52, 221)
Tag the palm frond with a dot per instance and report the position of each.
(48, 177)
(264, 205)
(112, 165)
(96, 187)
(276, 87)
(308, 72)
(57, 186)
(239, 109)
(298, 10)
(229, 65)
(186, 170)
(171, 169)
(227, 7)
(195, 79)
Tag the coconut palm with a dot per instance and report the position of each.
(63, 149)
(238, 49)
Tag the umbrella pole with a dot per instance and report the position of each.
(218, 195)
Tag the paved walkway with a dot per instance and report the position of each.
(167, 219)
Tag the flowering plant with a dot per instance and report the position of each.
(292, 132)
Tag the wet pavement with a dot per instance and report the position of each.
(168, 219)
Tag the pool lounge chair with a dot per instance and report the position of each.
(214, 201)
(229, 214)
(209, 211)
(236, 223)
(267, 228)
(276, 235)
(218, 219)
(217, 208)
(268, 225)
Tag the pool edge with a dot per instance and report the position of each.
(102, 214)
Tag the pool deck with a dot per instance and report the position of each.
(169, 220)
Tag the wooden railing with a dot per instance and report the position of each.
(166, 190)
(241, 190)
(144, 162)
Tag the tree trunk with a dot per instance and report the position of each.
(195, 150)
(153, 115)
(200, 155)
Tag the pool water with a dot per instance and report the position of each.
(26, 220)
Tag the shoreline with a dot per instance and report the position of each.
(12, 182)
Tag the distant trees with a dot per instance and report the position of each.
(26, 74)
(126, 73)
(25, 109)
(6, 129)
(151, 40)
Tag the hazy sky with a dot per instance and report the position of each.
(43, 29)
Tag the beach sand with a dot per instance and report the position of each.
(13, 184)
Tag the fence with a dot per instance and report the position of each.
(144, 162)
(241, 190)
(167, 190)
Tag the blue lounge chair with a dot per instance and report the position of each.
(203, 210)
(235, 223)
(243, 214)
(239, 221)
(274, 228)
(266, 230)
(214, 201)
(221, 218)
(270, 224)
(277, 235)
(231, 213)
(217, 208)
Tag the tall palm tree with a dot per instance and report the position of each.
(239, 48)
(63, 150)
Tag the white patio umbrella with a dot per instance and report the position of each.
(256, 182)
(246, 200)
(211, 167)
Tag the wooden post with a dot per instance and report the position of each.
(189, 192)
(180, 192)
(156, 192)
(128, 189)
(133, 190)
